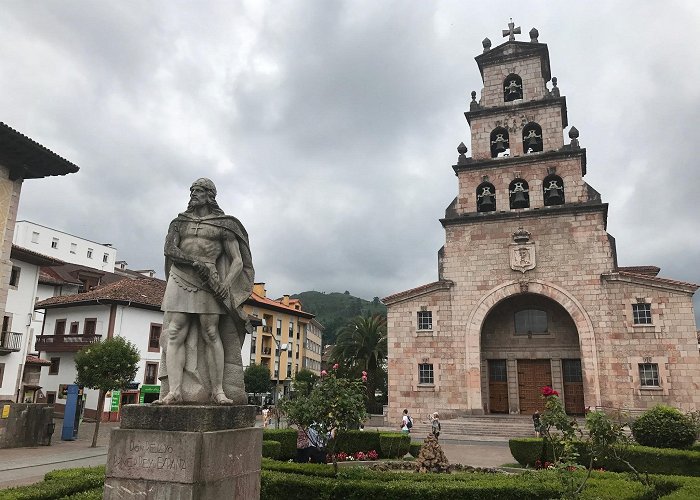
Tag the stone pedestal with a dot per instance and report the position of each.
(184, 452)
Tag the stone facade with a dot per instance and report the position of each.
(533, 296)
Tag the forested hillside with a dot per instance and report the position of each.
(334, 310)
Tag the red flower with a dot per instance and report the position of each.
(335, 366)
(548, 391)
(324, 373)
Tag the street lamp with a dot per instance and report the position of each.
(280, 347)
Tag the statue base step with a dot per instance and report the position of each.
(184, 452)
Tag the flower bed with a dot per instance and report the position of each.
(360, 456)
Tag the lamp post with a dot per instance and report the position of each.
(280, 347)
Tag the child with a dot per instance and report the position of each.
(536, 422)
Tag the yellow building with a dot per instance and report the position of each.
(288, 340)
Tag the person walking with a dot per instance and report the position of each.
(536, 422)
(406, 422)
(435, 425)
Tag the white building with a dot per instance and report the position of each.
(129, 308)
(18, 383)
(64, 246)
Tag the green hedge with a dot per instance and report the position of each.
(643, 458)
(95, 494)
(271, 449)
(414, 448)
(287, 439)
(59, 484)
(393, 444)
(354, 441)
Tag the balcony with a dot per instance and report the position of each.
(10, 342)
(267, 329)
(64, 343)
(266, 351)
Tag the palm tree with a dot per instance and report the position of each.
(362, 346)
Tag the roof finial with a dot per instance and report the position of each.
(511, 31)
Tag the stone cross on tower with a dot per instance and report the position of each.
(511, 31)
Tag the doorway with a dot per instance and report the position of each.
(533, 374)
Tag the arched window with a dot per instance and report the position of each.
(553, 190)
(519, 194)
(530, 321)
(485, 197)
(532, 138)
(512, 88)
(500, 145)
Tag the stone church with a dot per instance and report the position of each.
(529, 293)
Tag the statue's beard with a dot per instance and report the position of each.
(210, 203)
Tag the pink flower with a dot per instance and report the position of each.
(324, 373)
(335, 366)
(364, 374)
(364, 378)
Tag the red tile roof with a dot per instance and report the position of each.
(32, 257)
(652, 280)
(257, 300)
(647, 270)
(144, 292)
(35, 360)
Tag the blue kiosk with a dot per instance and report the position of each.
(72, 413)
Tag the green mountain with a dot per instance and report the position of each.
(334, 310)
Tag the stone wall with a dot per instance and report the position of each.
(26, 425)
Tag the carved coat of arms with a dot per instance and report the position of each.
(522, 252)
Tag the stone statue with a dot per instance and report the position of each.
(209, 274)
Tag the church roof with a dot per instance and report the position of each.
(653, 281)
(27, 159)
(141, 292)
(645, 270)
(514, 51)
(420, 290)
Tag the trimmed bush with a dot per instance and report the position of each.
(271, 449)
(643, 458)
(287, 438)
(528, 450)
(664, 427)
(59, 484)
(658, 461)
(95, 494)
(414, 449)
(393, 444)
(354, 441)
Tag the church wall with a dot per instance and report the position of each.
(569, 169)
(408, 347)
(571, 252)
(529, 69)
(548, 117)
(670, 341)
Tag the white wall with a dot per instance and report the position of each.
(19, 307)
(23, 237)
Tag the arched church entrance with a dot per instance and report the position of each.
(529, 341)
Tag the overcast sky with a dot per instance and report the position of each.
(330, 127)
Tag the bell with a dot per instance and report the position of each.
(487, 204)
(519, 200)
(533, 142)
(500, 146)
(555, 196)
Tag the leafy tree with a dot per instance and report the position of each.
(362, 346)
(107, 366)
(304, 382)
(334, 406)
(257, 379)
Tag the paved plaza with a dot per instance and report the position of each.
(21, 466)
